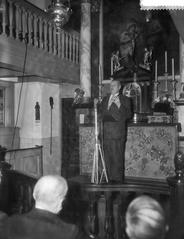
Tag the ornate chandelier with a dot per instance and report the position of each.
(60, 11)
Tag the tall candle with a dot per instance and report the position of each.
(112, 66)
(156, 71)
(100, 75)
(173, 69)
(165, 61)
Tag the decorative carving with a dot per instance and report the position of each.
(179, 166)
(150, 151)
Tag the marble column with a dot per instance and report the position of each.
(85, 48)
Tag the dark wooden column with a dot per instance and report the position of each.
(176, 185)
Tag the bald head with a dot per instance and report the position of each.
(49, 193)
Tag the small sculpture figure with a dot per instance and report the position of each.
(115, 60)
(78, 96)
(37, 111)
(147, 58)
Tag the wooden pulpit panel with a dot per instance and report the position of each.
(150, 151)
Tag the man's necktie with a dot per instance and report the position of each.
(112, 99)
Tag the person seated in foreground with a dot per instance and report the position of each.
(43, 222)
(145, 219)
(3, 217)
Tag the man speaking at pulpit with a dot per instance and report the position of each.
(115, 110)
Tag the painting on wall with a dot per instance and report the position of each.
(136, 39)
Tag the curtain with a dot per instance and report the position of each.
(178, 19)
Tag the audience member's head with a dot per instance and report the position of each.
(49, 193)
(145, 219)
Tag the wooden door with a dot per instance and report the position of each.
(70, 140)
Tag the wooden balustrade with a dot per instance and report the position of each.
(107, 204)
(23, 21)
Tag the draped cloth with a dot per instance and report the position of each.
(178, 19)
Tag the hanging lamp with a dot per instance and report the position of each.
(60, 11)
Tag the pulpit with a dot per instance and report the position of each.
(150, 150)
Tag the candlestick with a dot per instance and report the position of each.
(165, 61)
(100, 75)
(172, 68)
(112, 67)
(100, 82)
(156, 71)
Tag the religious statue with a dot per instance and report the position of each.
(37, 111)
(78, 96)
(135, 53)
(115, 61)
(147, 58)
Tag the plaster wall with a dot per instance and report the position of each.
(67, 90)
(34, 132)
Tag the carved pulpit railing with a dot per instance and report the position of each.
(107, 205)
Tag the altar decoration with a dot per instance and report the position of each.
(133, 90)
(150, 151)
(135, 52)
(168, 93)
(160, 118)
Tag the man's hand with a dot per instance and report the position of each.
(95, 101)
(117, 101)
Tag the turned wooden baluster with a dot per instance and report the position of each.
(25, 24)
(66, 45)
(35, 25)
(109, 227)
(73, 48)
(41, 32)
(50, 37)
(30, 29)
(59, 44)
(18, 21)
(4, 17)
(62, 44)
(54, 39)
(70, 47)
(123, 203)
(46, 35)
(77, 49)
(11, 18)
(92, 215)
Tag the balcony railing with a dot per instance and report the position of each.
(21, 21)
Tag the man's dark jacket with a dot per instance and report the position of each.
(115, 118)
(114, 135)
(38, 224)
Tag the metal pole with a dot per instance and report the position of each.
(50, 130)
(101, 62)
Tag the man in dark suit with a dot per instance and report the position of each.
(115, 111)
(42, 222)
